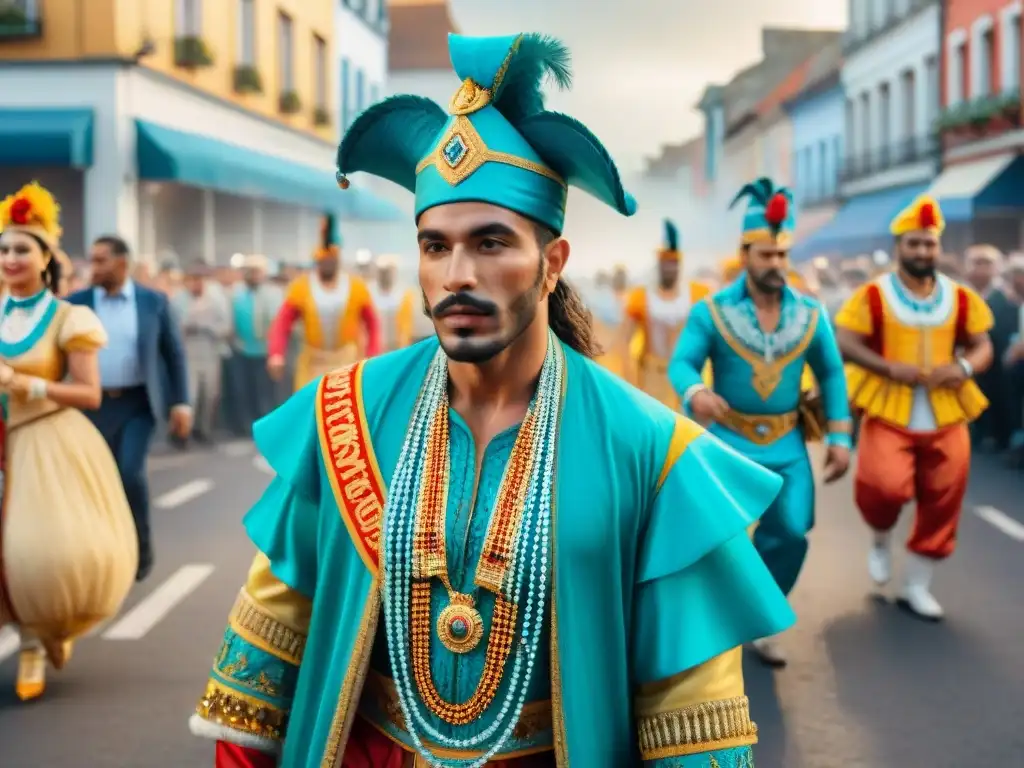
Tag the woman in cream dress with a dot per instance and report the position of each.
(67, 540)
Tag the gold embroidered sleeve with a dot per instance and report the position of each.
(249, 693)
(700, 710)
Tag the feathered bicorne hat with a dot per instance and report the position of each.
(770, 215)
(497, 144)
(32, 209)
(330, 239)
(670, 250)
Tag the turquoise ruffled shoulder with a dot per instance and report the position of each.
(708, 496)
(284, 523)
(287, 439)
(702, 587)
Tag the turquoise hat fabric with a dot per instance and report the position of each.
(496, 144)
(770, 213)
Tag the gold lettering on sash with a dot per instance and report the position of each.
(349, 460)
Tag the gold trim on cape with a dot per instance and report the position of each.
(767, 375)
(711, 725)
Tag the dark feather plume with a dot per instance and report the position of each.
(532, 59)
(671, 236)
(759, 191)
(390, 138)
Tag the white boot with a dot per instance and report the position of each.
(768, 649)
(917, 588)
(880, 558)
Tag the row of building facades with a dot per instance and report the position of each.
(201, 128)
(916, 96)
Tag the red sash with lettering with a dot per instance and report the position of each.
(349, 460)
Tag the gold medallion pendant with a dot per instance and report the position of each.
(460, 626)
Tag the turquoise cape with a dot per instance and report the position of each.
(653, 574)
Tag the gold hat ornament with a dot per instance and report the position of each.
(922, 214)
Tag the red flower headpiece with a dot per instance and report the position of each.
(777, 209)
(926, 216)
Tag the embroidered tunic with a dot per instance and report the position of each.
(761, 374)
(640, 593)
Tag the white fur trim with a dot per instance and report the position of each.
(204, 729)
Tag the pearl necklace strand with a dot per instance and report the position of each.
(529, 568)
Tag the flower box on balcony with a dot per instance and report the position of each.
(289, 103)
(191, 52)
(247, 79)
(321, 117)
(16, 25)
(1009, 107)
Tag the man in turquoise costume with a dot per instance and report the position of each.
(485, 549)
(759, 334)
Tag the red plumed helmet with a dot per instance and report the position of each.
(776, 210)
(926, 217)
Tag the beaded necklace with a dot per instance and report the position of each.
(514, 565)
(924, 305)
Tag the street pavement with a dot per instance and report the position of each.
(867, 687)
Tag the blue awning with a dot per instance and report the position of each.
(860, 226)
(988, 185)
(164, 154)
(45, 138)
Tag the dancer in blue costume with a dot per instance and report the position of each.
(485, 549)
(754, 405)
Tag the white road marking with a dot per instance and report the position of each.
(184, 493)
(1001, 522)
(261, 464)
(161, 601)
(9, 642)
(237, 448)
(169, 461)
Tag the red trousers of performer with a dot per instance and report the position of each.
(895, 466)
(367, 748)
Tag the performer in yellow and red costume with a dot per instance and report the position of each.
(340, 324)
(658, 315)
(914, 339)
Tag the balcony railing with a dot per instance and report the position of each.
(819, 197)
(895, 155)
(854, 40)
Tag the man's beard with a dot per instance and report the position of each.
(667, 282)
(917, 268)
(765, 284)
(521, 311)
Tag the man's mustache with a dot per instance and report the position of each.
(773, 273)
(464, 299)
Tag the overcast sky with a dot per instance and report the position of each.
(641, 65)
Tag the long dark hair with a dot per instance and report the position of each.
(52, 273)
(568, 316)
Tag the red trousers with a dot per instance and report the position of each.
(895, 466)
(367, 748)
